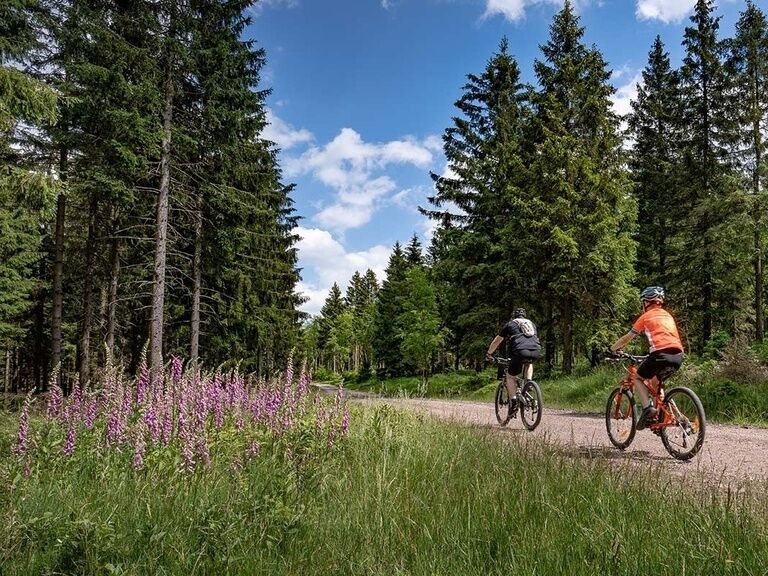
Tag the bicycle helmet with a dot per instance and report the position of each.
(653, 294)
(519, 313)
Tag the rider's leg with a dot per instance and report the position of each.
(528, 371)
(641, 391)
(511, 385)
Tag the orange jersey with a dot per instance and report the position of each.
(659, 327)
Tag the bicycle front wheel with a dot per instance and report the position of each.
(502, 404)
(531, 405)
(620, 418)
(684, 438)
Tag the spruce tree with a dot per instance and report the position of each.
(583, 217)
(713, 277)
(479, 202)
(655, 164)
(747, 64)
(387, 339)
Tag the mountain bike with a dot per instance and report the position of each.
(680, 419)
(527, 401)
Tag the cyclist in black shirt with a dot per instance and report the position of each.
(523, 348)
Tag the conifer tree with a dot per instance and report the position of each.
(387, 339)
(713, 277)
(583, 218)
(747, 64)
(24, 189)
(478, 202)
(655, 163)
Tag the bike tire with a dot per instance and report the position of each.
(684, 440)
(532, 405)
(620, 420)
(501, 404)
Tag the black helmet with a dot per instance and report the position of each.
(653, 294)
(519, 313)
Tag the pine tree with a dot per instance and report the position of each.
(712, 278)
(387, 339)
(333, 307)
(655, 163)
(583, 218)
(479, 202)
(25, 191)
(747, 64)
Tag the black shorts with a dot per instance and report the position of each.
(520, 357)
(658, 361)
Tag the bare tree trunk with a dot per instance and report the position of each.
(197, 271)
(7, 386)
(84, 341)
(550, 344)
(114, 274)
(568, 335)
(58, 270)
(161, 231)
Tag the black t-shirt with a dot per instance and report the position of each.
(520, 334)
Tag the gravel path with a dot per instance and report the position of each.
(731, 454)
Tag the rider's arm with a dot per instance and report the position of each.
(623, 341)
(494, 344)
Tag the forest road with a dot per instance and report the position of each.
(731, 455)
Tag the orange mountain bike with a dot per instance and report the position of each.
(680, 421)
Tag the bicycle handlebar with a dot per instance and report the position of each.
(621, 355)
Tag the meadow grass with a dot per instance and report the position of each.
(403, 494)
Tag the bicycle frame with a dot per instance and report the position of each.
(655, 388)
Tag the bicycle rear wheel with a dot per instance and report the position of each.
(683, 440)
(620, 418)
(531, 405)
(502, 404)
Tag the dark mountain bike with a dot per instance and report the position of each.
(680, 421)
(527, 401)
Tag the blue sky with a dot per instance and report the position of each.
(362, 91)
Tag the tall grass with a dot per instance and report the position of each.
(403, 494)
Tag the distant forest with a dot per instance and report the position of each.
(142, 212)
(553, 203)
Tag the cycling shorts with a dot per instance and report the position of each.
(520, 357)
(658, 360)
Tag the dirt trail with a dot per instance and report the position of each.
(730, 453)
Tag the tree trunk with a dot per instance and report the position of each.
(161, 231)
(7, 386)
(84, 341)
(568, 335)
(114, 274)
(58, 271)
(197, 270)
(758, 144)
(549, 343)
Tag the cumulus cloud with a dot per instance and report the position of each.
(319, 251)
(283, 134)
(625, 94)
(514, 10)
(354, 169)
(665, 10)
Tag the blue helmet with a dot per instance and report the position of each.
(653, 293)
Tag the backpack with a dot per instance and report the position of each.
(526, 326)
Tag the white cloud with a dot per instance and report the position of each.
(353, 168)
(259, 6)
(665, 10)
(625, 94)
(283, 134)
(514, 10)
(327, 258)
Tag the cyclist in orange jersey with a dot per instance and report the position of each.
(666, 349)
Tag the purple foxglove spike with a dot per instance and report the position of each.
(21, 445)
(69, 444)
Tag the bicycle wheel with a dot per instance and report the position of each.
(502, 404)
(531, 405)
(683, 439)
(620, 418)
